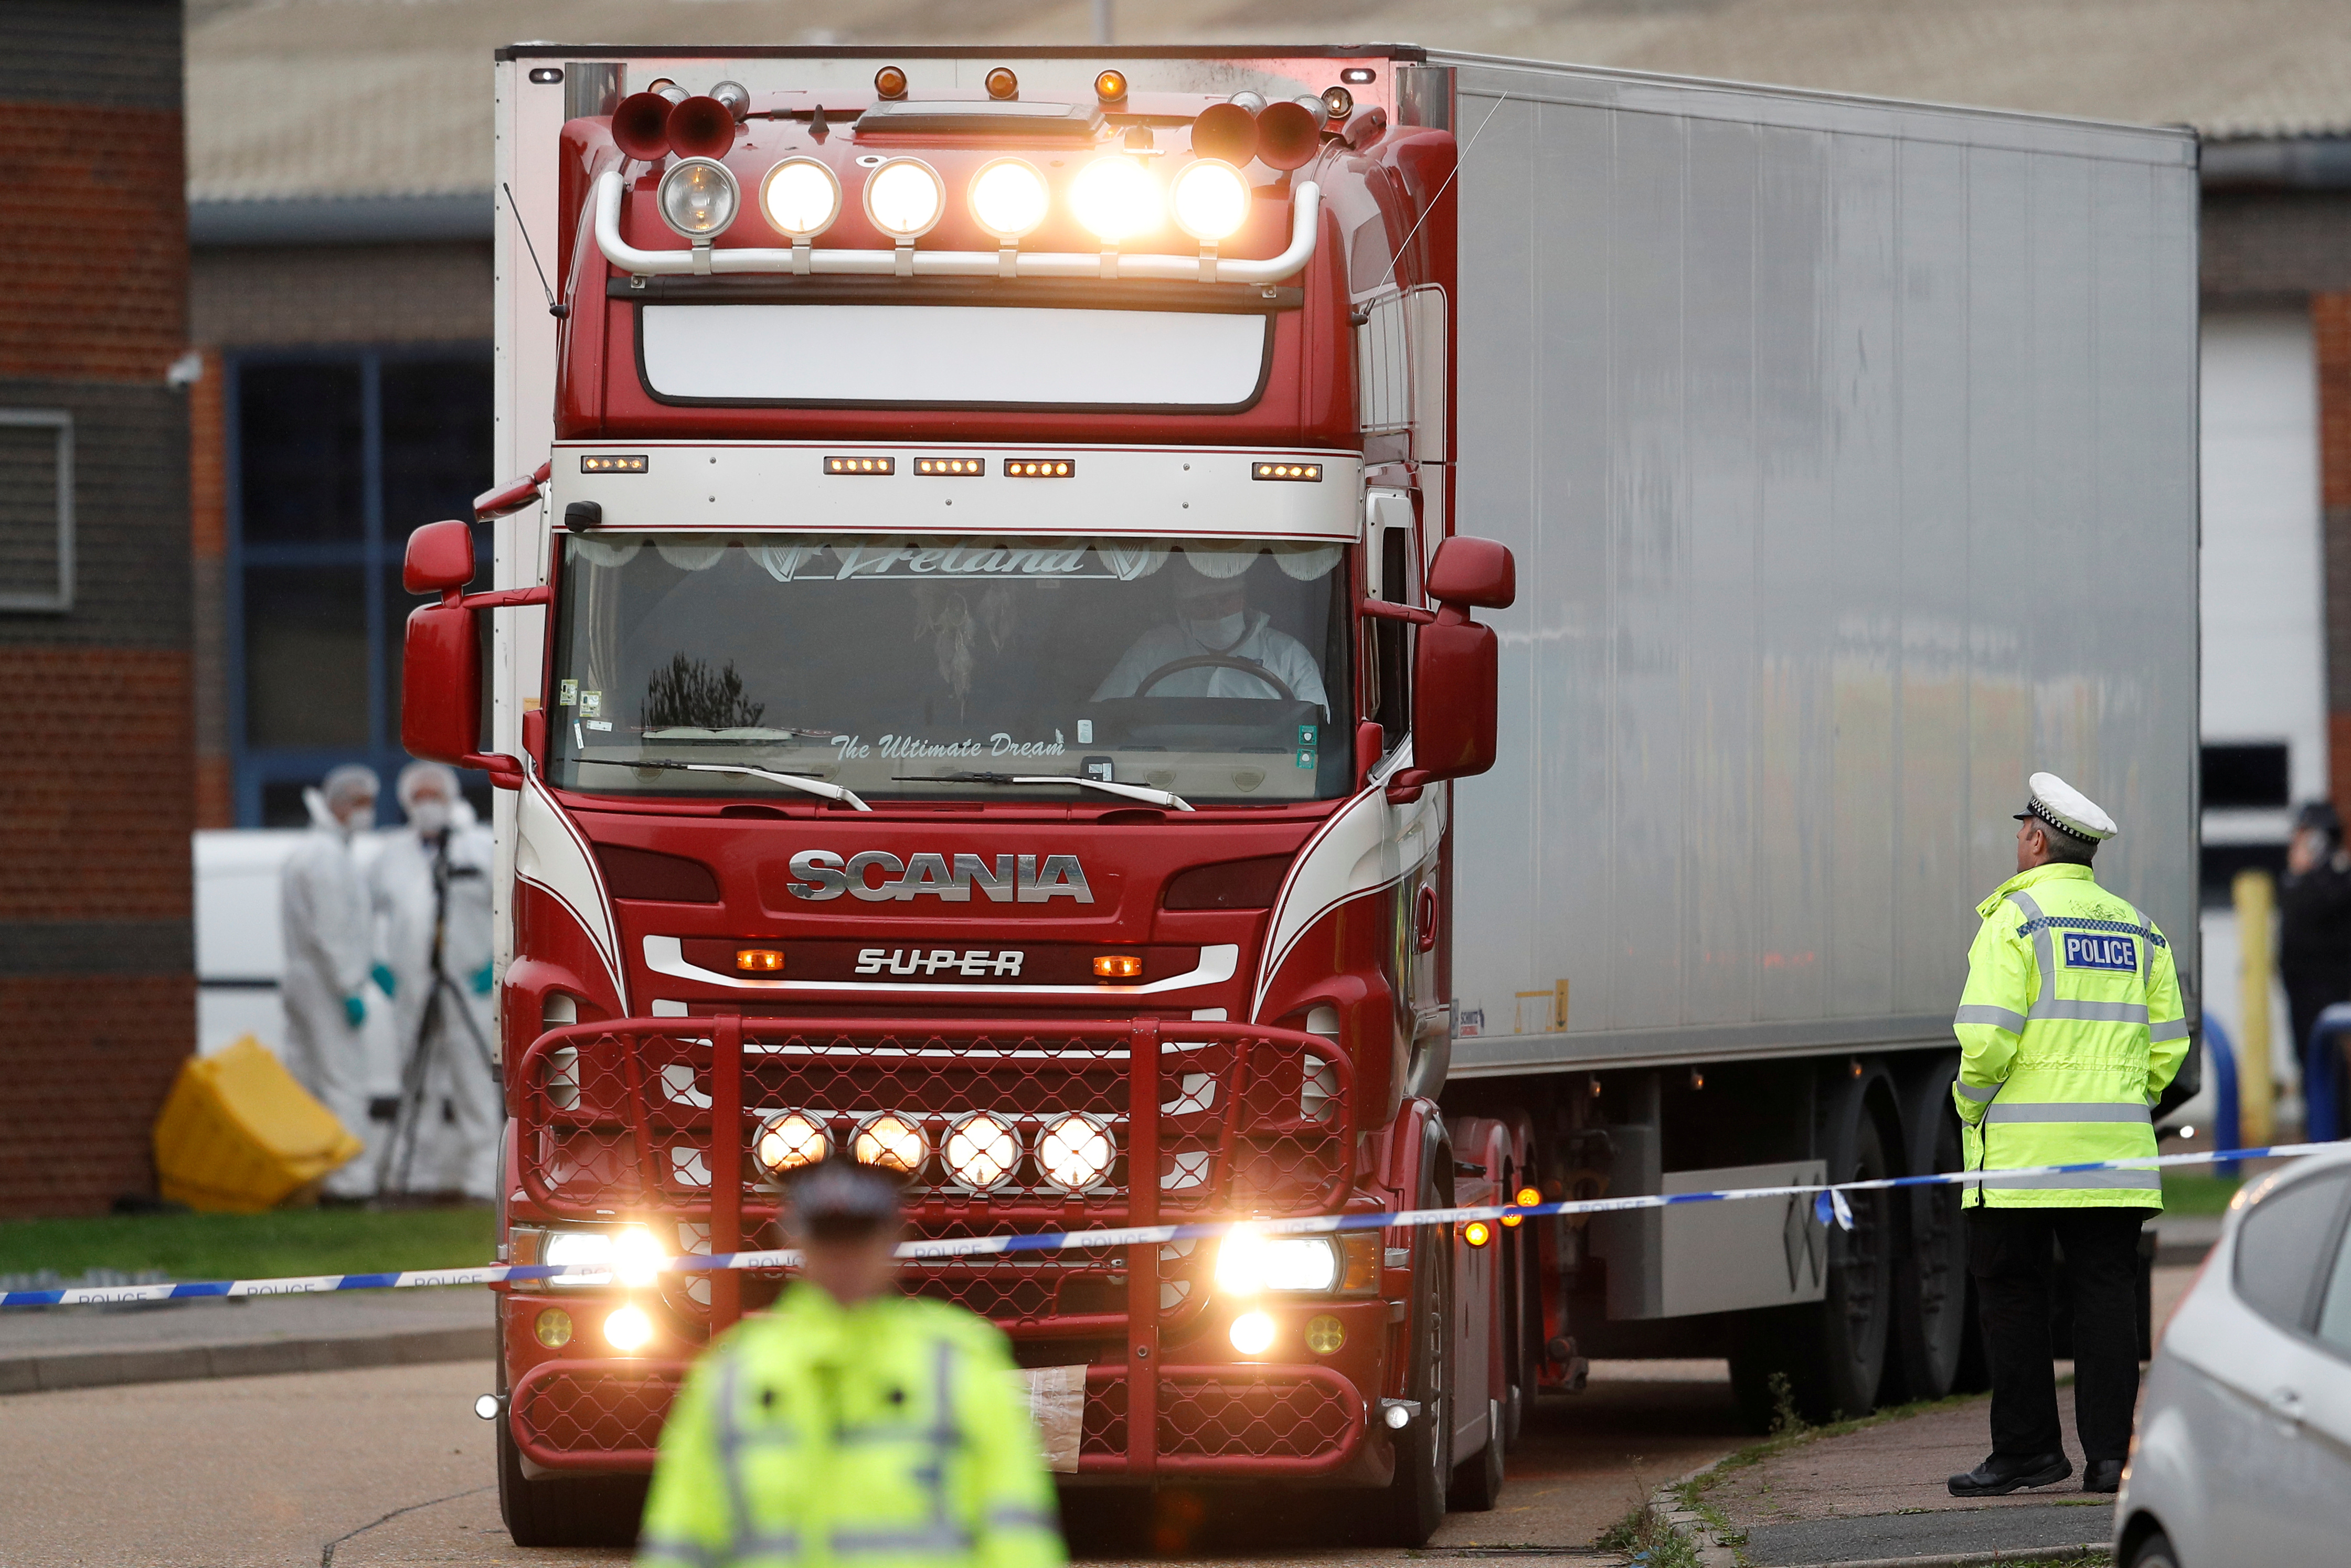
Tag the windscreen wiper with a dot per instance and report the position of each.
(1143, 792)
(792, 781)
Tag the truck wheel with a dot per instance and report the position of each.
(1478, 1479)
(1930, 1268)
(565, 1511)
(1424, 1450)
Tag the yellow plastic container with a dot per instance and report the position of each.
(239, 1136)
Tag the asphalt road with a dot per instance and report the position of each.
(389, 1466)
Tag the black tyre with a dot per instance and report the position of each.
(1424, 1449)
(602, 1510)
(1832, 1353)
(1931, 1266)
(2155, 1551)
(1478, 1479)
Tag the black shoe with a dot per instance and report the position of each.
(1999, 1475)
(2101, 1475)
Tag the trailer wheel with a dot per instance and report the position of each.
(1930, 1269)
(1424, 1449)
(565, 1511)
(1833, 1352)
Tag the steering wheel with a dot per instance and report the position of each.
(1216, 660)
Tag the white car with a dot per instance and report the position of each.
(2244, 1448)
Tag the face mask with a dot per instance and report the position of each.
(1224, 632)
(359, 820)
(430, 817)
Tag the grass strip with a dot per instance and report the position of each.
(251, 1246)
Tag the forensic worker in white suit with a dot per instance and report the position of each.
(432, 884)
(327, 927)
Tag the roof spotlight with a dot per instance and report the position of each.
(801, 197)
(1338, 102)
(892, 1140)
(698, 198)
(1010, 198)
(1116, 198)
(904, 198)
(1212, 200)
(1002, 84)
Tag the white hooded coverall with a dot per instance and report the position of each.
(328, 927)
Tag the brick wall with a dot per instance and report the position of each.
(97, 960)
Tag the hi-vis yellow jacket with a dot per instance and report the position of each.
(2070, 1027)
(887, 1434)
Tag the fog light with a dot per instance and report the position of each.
(788, 1142)
(892, 1141)
(981, 1151)
(553, 1328)
(637, 1258)
(697, 197)
(1325, 1334)
(1397, 1418)
(1252, 1333)
(486, 1406)
(628, 1329)
(1075, 1152)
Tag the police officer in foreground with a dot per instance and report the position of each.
(2070, 1027)
(853, 1427)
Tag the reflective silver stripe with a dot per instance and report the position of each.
(670, 1549)
(934, 1537)
(1022, 1519)
(2044, 955)
(2171, 1029)
(2093, 1012)
(1999, 1018)
(2135, 1181)
(1979, 1096)
(2008, 1111)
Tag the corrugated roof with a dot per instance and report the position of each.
(309, 99)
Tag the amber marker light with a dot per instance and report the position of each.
(966, 467)
(1117, 966)
(861, 465)
(1525, 1198)
(1002, 84)
(1040, 468)
(1307, 473)
(1477, 1233)
(760, 960)
(890, 82)
(1110, 86)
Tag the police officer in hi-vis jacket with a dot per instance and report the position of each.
(2070, 1027)
(853, 1427)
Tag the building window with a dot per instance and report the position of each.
(335, 457)
(2246, 778)
(37, 520)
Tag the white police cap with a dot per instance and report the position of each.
(2067, 809)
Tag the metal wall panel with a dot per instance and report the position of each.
(1848, 451)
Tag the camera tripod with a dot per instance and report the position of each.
(399, 1154)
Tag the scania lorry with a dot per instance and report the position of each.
(1235, 634)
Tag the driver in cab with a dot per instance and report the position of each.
(1216, 647)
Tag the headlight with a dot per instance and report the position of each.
(1116, 198)
(697, 197)
(1075, 1153)
(891, 1141)
(1008, 198)
(801, 197)
(1212, 200)
(1248, 1263)
(904, 198)
(981, 1151)
(578, 1247)
(789, 1140)
(637, 1258)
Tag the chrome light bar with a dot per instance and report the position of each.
(907, 261)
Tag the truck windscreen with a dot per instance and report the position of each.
(1215, 669)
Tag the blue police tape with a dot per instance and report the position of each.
(1829, 1205)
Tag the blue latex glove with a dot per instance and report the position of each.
(385, 980)
(482, 980)
(355, 1009)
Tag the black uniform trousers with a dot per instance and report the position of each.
(2009, 1254)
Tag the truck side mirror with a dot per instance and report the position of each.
(1456, 666)
(441, 660)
